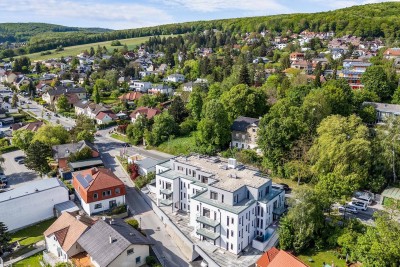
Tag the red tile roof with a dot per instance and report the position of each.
(102, 179)
(279, 258)
(102, 114)
(149, 112)
(130, 96)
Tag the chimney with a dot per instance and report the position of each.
(232, 163)
(110, 239)
(78, 217)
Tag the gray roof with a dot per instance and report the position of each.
(32, 188)
(147, 163)
(242, 123)
(64, 151)
(67, 206)
(96, 241)
(60, 90)
(383, 107)
(88, 163)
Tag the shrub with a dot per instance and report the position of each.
(118, 210)
(8, 149)
(151, 260)
(103, 126)
(134, 223)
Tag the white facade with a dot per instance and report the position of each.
(106, 119)
(101, 205)
(54, 247)
(176, 78)
(31, 203)
(228, 205)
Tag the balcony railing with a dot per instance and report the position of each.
(207, 221)
(166, 192)
(166, 202)
(208, 234)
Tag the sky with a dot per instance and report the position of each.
(128, 14)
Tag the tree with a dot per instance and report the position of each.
(214, 128)
(5, 238)
(285, 61)
(85, 135)
(376, 80)
(37, 156)
(242, 100)
(22, 138)
(135, 131)
(340, 154)
(178, 110)
(52, 135)
(244, 77)
(96, 94)
(304, 222)
(63, 104)
(339, 96)
(164, 126)
(195, 104)
(84, 153)
(14, 100)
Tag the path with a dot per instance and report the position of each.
(40, 246)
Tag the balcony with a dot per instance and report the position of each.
(279, 211)
(267, 240)
(208, 234)
(166, 202)
(207, 221)
(166, 192)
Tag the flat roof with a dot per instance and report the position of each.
(392, 192)
(237, 208)
(69, 206)
(86, 163)
(227, 178)
(31, 188)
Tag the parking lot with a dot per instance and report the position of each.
(16, 173)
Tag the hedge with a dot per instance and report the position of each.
(8, 149)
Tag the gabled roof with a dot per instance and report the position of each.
(107, 239)
(65, 90)
(286, 259)
(64, 151)
(68, 228)
(267, 257)
(149, 112)
(97, 179)
(242, 123)
(102, 114)
(130, 96)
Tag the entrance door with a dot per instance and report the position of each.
(113, 204)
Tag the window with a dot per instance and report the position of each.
(98, 206)
(262, 212)
(231, 246)
(239, 233)
(106, 193)
(232, 233)
(95, 195)
(184, 195)
(232, 221)
(197, 207)
(137, 259)
(227, 220)
(222, 198)
(213, 195)
(129, 251)
(117, 190)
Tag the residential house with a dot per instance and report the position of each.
(384, 111)
(61, 153)
(91, 109)
(281, 46)
(51, 96)
(31, 202)
(145, 165)
(5, 118)
(279, 258)
(66, 83)
(114, 243)
(295, 56)
(161, 89)
(8, 77)
(43, 87)
(228, 204)
(176, 78)
(21, 80)
(140, 86)
(130, 96)
(392, 53)
(144, 111)
(98, 190)
(353, 71)
(62, 236)
(30, 126)
(104, 117)
(188, 87)
(244, 133)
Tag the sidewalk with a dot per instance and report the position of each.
(40, 246)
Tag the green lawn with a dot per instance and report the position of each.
(109, 100)
(32, 261)
(120, 137)
(320, 257)
(178, 146)
(75, 50)
(32, 234)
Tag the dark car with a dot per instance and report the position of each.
(56, 115)
(16, 159)
(126, 145)
(21, 161)
(285, 186)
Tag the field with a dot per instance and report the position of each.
(178, 146)
(32, 234)
(75, 50)
(32, 261)
(320, 257)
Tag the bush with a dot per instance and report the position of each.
(103, 126)
(151, 260)
(118, 210)
(187, 127)
(142, 181)
(8, 149)
(134, 223)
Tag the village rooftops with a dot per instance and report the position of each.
(386, 108)
(64, 90)
(229, 179)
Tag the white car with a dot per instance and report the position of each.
(359, 205)
(348, 208)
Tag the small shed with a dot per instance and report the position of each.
(391, 193)
(67, 206)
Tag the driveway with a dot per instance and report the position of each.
(16, 173)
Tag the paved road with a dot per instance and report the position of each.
(17, 173)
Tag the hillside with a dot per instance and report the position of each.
(22, 32)
(372, 20)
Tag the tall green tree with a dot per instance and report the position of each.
(37, 156)
(96, 94)
(63, 104)
(376, 80)
(5, 238)
(178, 109)
(52, 135)
(14, 100)
(244, 76)
(135, 131)
(22, 138)
(195, 104)
(163, 128)
(340, 154)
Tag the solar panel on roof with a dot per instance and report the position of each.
(88, 178)
(82, 181)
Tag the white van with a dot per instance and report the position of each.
(364, 197)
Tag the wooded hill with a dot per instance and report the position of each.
(372, 20)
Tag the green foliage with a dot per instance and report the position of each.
(62, 104)
(242, 100)
(84, 153)
(339, 155)
(177, 109)
(85, 135)
(52, 135)
(5, 238)
(214, 128)
(37, 156)
(142, 181)
(14, 100)
(133, 222)
(188, 126)
(22, 138)
(135, 131)
(151, 260)
(163, 128)
(116, 43)
(368, 114)
(376, 80)
(83, 124)
(195, 104)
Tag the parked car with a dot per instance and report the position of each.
(364, 197)
(285, 187)
(4, 180)
(278, 186)
(21, 161)
(359, 205)
(16, 159)
(348, 208)
(56, 115)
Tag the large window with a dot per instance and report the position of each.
(95, 195)
(206, 212)
(106, 193)
(129, 251)
(137, 259)
(98, 206)
(213, 195)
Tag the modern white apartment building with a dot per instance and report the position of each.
(229, 205)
